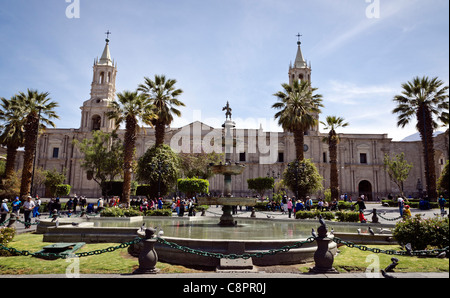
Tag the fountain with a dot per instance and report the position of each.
(249, 236)
(228, 170)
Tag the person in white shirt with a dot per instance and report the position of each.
(4, 210)
(28, 207)
(401, 202)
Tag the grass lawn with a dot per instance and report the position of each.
(353, 259)
(116, 262)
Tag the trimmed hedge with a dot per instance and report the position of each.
(119, 212)
(344, 216)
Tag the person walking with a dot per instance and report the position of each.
(309, 203)
(401, 204)
(442, 202)
(289, 207)
(28, 207)
(38, 204)
(16, 207)
(4, 210)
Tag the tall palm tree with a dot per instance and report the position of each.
(11, 131)
(299, 107)
(130, 107)
(38, 112)
(426, 100)
(332, 123)
(164, 97)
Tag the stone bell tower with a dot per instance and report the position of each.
(103, 92)
(301, 71)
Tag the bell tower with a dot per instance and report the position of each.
(103, 92)
(300, 70)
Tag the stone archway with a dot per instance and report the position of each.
(365, 188)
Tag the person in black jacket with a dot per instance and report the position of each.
(361, 208)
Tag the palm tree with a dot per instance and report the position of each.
(332, 123)
(38, 112)
(428, 101)
(11, 131)
(164, 97)
(130, 108)
(299, 107)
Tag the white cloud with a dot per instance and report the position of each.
(350, 94)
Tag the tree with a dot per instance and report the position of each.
(192, 186)
(427, 101)
(444, 179)
(52, 180)
(163, 95)
(38, 111)
(398, 169)
(11, 131)
(332, 123)
(130, 108)
(161, 179)
(302, 178)
(261, 184)
(103, 157)
(197, 164)
(298, 107)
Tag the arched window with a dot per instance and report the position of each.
(102, 78)
(300, 77)
(109, 78)
(96, 122)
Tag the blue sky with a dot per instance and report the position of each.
(230, 50)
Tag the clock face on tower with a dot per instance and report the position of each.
(305, 148)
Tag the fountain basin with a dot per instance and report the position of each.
(204, 234)
(228, 169)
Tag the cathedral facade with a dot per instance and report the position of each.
(360, 156)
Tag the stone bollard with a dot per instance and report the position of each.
(374, 216)
(323, 257)
(12, 221)
(148, 257)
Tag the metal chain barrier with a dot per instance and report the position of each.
(235, 256)
(418, 253)
(66, 256)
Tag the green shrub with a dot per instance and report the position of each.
(112, 212)
(421, 233)
(62, 190)
(347, 216)
(344, 205)
(305, 214)
(6, 236)
(131, 212)
(314, 214)
(261, 206)
(159, 212)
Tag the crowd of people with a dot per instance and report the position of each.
(290, 206)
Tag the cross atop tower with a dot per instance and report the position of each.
(298, 36)
(108, 33)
